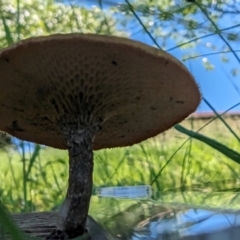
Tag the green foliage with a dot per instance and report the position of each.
(196, 21)
(23, 19)
(169, 162)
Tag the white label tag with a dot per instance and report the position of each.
(142, 191)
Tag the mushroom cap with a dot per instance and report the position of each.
(136, 90)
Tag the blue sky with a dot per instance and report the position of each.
(218, 86)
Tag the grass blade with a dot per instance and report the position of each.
(228, 152)
(37, 149)
(223, 121)
(142, 24)
(7, 31)
(9, 226)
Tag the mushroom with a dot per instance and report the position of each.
(84, 92)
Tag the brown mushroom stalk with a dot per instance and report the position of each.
(73, 213)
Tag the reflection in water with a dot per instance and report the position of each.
(189, 224)
(173, 216)
(166, 224)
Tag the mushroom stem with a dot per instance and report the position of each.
(73, 214)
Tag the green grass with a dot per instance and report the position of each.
(42, 183)
(194, 174)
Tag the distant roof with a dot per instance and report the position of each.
(209, 115)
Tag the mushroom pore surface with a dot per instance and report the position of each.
(128, 89)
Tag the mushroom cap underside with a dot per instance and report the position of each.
(136, 90)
